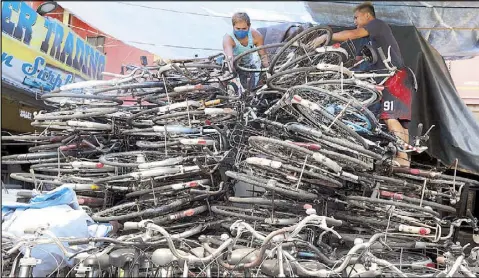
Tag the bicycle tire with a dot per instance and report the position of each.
(84, 113)
(299, 76)
(230, 211)
(349, 145)
(280, 189)
(424, 202)
(306, 174)
(298, 40)
(314, 58)
(180, 215)
(305, 91)
(107, 158)
(46, 179)
(57, 167)
(374, 221)
(45, 147)
(341, 127)
(183, 117)
(374, 95)
(393, 203)
(347, 161)
(165, 208)
(34, 138)
(15, 158)
(169, 187)
(434, 175)
(262, 143)
(156, 145)
(114, 100)
(270, 49)
(269, 202)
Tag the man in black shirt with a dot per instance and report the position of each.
(396, 101)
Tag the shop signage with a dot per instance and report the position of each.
(40, 54)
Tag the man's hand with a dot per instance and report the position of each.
(317, 42)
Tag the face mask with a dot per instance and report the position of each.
(241, 34)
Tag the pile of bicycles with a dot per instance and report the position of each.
(286, 174)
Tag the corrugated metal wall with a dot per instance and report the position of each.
(465, 74)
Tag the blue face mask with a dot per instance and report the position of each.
(241, 34)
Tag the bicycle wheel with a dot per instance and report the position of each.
(306, 172)
(180, 215)
(373, 201)
(349, 147)
(365, 95)
(348, 110)
(169, 187)
(157, 144)
(69, 167)
(84, 183)
(297, 46)
(80, 99)
(30, 158)
(79, 113)
(286, 79)
(280, 203)
(333, 57)
(261, 215)
(290, 152)
(34, 138)
(143, 208)
(347, 161)
(434, 205)
(273, 185)
(244, 61)
(328, 123)
(132, 158)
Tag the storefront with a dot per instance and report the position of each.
(44, 56)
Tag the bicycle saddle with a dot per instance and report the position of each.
(102, 261)
(164, 256)
(242, 255)
(120, 257)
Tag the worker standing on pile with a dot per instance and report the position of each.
(396, 100)
(242, 39)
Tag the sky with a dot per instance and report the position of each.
(160, 26)
(185, 28)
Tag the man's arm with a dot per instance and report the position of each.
(228, 45)
(350, 35)
(340, 37)
(258, 41)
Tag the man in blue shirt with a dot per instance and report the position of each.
(396, 101)
(242, 39)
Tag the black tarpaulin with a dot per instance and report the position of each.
(456, 131)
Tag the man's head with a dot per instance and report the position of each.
(241, 24)
(241, 21)
(363, 14)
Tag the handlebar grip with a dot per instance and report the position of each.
(131, 226)
(381, 54)
(333, 222)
